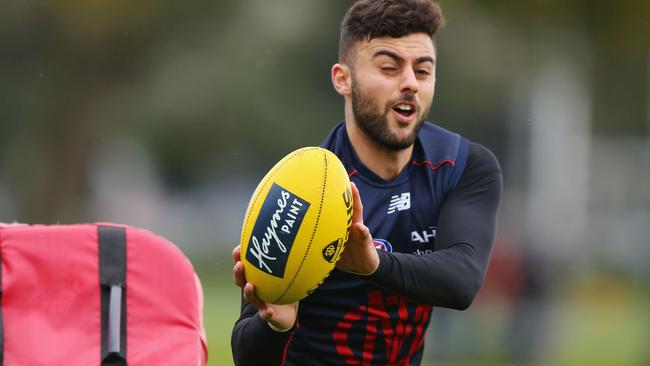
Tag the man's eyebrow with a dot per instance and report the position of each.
(398, 58)
(390, 54)
(423, 59)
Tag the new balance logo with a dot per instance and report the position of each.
(400, 203)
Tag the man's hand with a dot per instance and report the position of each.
(279, 316)
(359, 255)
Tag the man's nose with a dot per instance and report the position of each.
(408, 81)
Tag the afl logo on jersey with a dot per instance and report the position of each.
(382, 244)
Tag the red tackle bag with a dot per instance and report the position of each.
(97, 294)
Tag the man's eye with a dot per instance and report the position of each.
(388, 68)
(423, 72)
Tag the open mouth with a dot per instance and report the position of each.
(404, 109)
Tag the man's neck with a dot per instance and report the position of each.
(384, 162)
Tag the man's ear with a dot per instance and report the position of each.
(342, 79)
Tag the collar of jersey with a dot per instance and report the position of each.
(364, 173)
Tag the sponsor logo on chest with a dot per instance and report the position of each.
(423, 240)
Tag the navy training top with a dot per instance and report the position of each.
(433, 226)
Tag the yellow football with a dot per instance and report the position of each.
(296, 225)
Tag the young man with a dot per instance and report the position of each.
(425, 203)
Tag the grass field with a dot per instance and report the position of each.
(221, 310)
(601, 321)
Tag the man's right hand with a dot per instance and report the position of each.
(360, 255)
(279, 316)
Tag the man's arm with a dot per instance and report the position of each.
(254, 342)
(452, 275)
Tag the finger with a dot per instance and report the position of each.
(357, 206)
(362, 231)
(236, 254)
(238, 276)
(249, 295)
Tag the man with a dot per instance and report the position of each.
(425, 203)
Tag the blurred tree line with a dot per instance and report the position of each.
(214, 88)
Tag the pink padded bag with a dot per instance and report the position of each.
(97, 294)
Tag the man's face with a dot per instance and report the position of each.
(393, 81)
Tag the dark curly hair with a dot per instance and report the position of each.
(368, 19)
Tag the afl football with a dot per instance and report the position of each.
(296, 225)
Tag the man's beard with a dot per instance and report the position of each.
(375, 124)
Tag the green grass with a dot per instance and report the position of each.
(603, 321)
(221, 309)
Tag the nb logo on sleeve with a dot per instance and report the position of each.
(399, 202)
